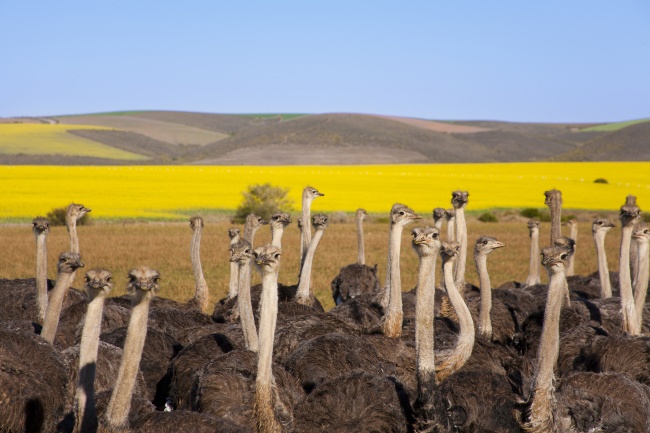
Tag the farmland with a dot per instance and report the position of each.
(177, 192)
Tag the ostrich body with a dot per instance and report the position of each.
(360, 216)
(233, 234)
(629, 216)
(400, 216)
(450, 216)
(41, 227)
(201, 294)
(533, 273)
(573, 234)
(599, 229)
(304, 294)
(459, 201)
(279, 221)
(68, 264)
(641, 237)
(308, 195)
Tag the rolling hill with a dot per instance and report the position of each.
(169, 137)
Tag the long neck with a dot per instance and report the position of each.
(303, 294)
(485, 323)
(306, 227)
(603, 270)
(120, 403)
(234, 278)
(264, 382)
(533, 273)
(63, 283)
(542, 406)
(249, 232)
(634, 261)
(201, 294)
(85, 414)
(245, 306)
(570, 270)
(465, 343)
(362, 254)
(276, 235)
(556, 221)
(630, 324)
(461, 236)
(392, 325)
(41, 275)
(451, 229)
(71, 224)
(438, 224)
(641, 282)
(424, 342)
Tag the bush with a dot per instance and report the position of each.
(568, 217)
(488, 217)
(646, 217)
(530, 212)
(56, 217)
(601, 180)
(263, 200)
(545, 216)
(338, 217)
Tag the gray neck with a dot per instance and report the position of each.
(630, 324)
(120, 403)
(425, 296)
(303, 294)
(570, 270)
(85, 414)
(276, 236)
(249, 233)
(306, 227)
(556, 221)
(268, 317)
(533, 273)
(461, 237)
(362, 254)
(641, 282)
(451, 229)
(71, 224)
(41, 275)
(603, 270)
(51, 323)
(392, 325)
(201, 294)
(634, 260)
(485, 322)
(234, 278)
(438, 224)
(245, 306)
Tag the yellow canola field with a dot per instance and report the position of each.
(176, 192)
(46, 139)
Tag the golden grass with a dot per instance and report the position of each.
(177, 192)
(165, 246)
(45, 139)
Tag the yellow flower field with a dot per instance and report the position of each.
(45, 139)
(175, 192)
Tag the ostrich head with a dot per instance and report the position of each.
(69, 262)
(255, 221)
(241, 250)
(553, 196)
(641, 233)
(402, 215)
(41, 225)
(98, 281)
(438, 213)
(602, 225)
(76, 211)
(361, 214)
(320, 221)
(555, 258)
(570, 223)
(533, 225)
(450, 213)
(143, 279)
(280, 219)
(196, 222)
(629, 215)
(567, 243)
(449, 251)
(459, 199)
(267, 259)
(426, 240)
(630, 200)
(233, 232)
(486, 244)
(311, 193)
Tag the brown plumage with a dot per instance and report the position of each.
(354, 280)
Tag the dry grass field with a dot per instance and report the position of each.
(165, 246)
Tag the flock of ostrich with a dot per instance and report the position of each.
(567, 356)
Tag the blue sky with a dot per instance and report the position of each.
(552, 61)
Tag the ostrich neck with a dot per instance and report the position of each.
(485, 323)
(361, 251)
(641, 282)
(634, 261)
(451, 229)
(542, 405)
(533, 273)
(201, 294)
(303, 294)
(249, 233)
(245, 306)
(572, 258)
(603, 270)
(438, 224)
(425, 296)
(392, 325)
(276, 236)
(120, 403)
(86, 416)
(51, 323)
(556, 221)
(461, 236)
(627, 299)
(394, 242)
(41, 275)
(234, 278)
(306, 227)
(71, 224)
(453, 360)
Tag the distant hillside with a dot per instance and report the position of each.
(169, 137)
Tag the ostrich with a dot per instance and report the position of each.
(68, 263)
(439, 215)
(599, 229)
(629, 216)
(233, 234)
(201, 295)
(553, 199)
(253, 223)
(242, 254)
(279, 221)
(360, 216)
(450, 216)
(41, 229)
(573, 234)
(533, 273)
(459, 201)
(73, 214)
(304, 294)
(308, 195)
(630, 200)
(583, 401)
(641, 237)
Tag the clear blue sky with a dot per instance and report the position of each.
(551, 61)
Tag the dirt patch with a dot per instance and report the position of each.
(431, 125)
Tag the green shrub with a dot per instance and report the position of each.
(488, 217)
(263, 200)
(601, 180)
(568, 217)
(545, 216)
(530, 212)
(646, 217)
(56, 217)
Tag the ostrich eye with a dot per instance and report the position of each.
(109, 279)
(87, 279)
(401, 212)
(276, 256)
(247, 250)
(645, 231)
(156, 279)
(484, 242)
(563, 256)
(275, 218)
